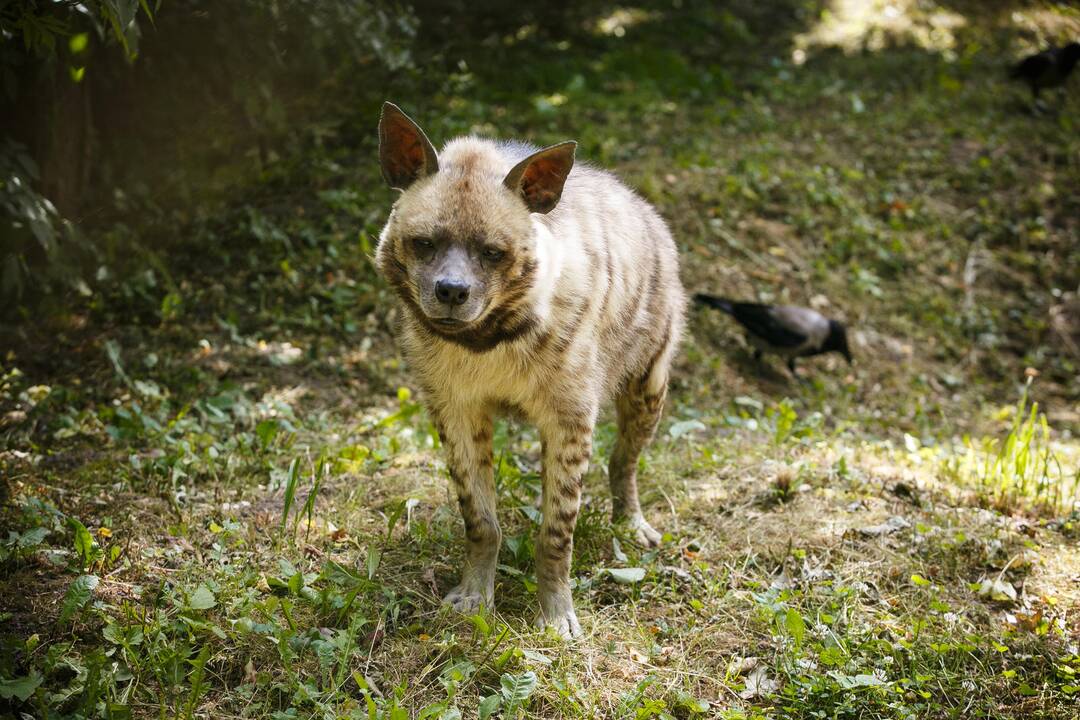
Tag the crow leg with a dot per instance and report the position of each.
(1038, 107)
(799, 379)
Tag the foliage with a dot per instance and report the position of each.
(29, 224)
(42, 249)
(42, 26)
(276, 63)
(1020, 469)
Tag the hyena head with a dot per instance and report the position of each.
(460, 246)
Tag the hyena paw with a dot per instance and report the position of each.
(557, 612)
(467, 598)
(565, 623)
(644, 534)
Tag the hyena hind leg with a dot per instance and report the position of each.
(468, 448)
(638, 407)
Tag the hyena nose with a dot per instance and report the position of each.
(451, 292)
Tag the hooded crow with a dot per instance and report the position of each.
(784, 330)
(1047, 69)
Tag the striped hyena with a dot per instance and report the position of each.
(535, 287)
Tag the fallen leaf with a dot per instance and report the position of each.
(758, 684)
(998, 590)
(676, 571)
(1028, 621)
(685, 427)
(536, 657)
(743, 665)
(893, 524)
(626, 576)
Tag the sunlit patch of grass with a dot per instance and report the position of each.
(1020, 471)
(620, 19)
(855, 25)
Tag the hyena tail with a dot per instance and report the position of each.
(721, 304)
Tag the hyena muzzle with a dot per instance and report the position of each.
(536, 287)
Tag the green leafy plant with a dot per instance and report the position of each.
(1021, 469)
(511, 700)
(292, 479)
(784, 417)
(20, 687)
(31, 225)
(20, 544)
(78, 595)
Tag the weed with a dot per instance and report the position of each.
(1020, 470)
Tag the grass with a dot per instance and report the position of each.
(1022, 468)
(223, 500)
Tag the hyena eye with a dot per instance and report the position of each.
(493, 254)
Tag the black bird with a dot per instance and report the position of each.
(1047, 69)
(784, 330)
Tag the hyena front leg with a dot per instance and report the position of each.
(567, 444)
(638, 407)
(467, 437)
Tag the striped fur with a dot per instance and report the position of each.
(584, 307)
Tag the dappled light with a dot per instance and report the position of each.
(855, 25)
(621, 19)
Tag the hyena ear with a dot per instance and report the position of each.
(405, 153)
(539, 178)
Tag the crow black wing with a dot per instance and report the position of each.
(1035, 66)
(761, 321)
